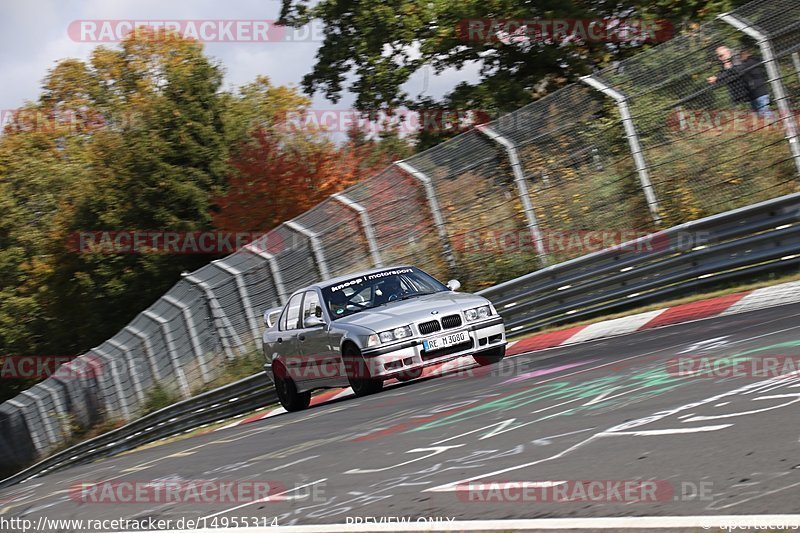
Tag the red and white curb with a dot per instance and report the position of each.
(785, 293)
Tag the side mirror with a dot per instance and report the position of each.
(453, 284)
(271, 316)
(313, 321)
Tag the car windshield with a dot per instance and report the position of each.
(378, 288)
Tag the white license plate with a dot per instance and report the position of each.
(445, 341)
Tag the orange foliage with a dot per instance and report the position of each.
(275, 181)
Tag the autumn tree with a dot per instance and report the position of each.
(274, 180)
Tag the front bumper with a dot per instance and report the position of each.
(388, 361)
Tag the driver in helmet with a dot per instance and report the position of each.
(390, 290)
(337, 303)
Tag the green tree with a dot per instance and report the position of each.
(381, 43)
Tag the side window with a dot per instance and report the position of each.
(311, 305)
(291, 316)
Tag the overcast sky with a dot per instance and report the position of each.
(34, 36)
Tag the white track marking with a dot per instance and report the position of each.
(261, 500)
(654, 432)
(293, 463)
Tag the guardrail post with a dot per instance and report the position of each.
(522, 189)
(796, 62)
(135, 378)
(245, 297)
(773, 70)
(316, 247)
(365, 224)
(256, 248)
(111, 366)
(47, 421)
(633, 142)
(221, 321)
(35, 437)
(436, 211)
(172, 351)
(148, 350)
(58, 404)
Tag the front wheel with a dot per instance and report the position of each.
(358, 374)
(290, 399)
(490, 357)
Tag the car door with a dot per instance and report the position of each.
(286, 343)
(321, 360)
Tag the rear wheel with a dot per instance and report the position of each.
(358, 373)
(490, 357)
(290, 399)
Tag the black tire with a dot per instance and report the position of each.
(358, 373)
(408, 375)
(490, 357)
(290, 399)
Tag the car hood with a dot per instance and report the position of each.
(401, 313)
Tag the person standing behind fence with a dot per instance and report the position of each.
(755, 78)
(731, 76)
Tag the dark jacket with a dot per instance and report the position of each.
(737, 85)
(755, 77)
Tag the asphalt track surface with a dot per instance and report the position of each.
(611, 410)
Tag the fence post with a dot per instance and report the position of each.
(773, 70)
(148, 350)
(369, 233)
(110, 364)
(522, 189)
(436, 211)
(243, 294)
(221, 322)
(633, 142)
(47, 421)
(135, 378)
(171, 350)
(35, 435)
(277, 279)
(58, 405)
(316, 247)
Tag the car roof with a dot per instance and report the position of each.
(346, 277)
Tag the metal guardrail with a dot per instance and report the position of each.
(224, 402)
(735, 244)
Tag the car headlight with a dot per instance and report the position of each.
(395, 334)
(373, 340)
(477, 313)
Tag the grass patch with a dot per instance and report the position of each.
(242, 367)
